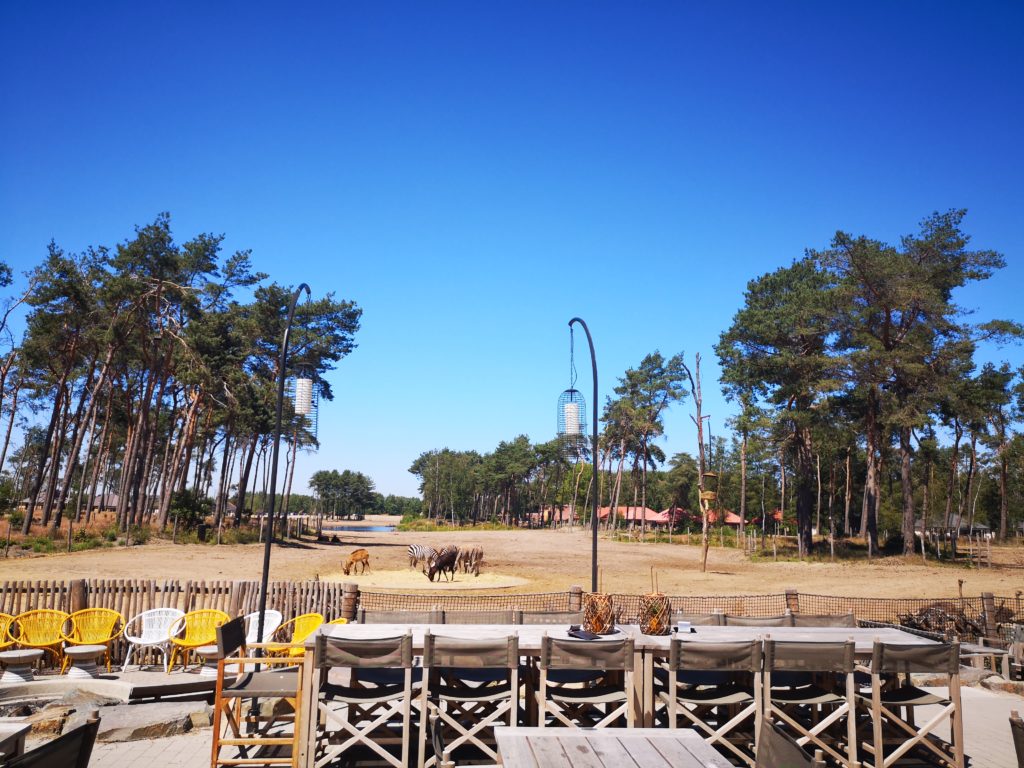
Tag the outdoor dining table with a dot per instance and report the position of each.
(605, 748)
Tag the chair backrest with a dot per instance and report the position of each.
(549, 617)
(305, 625)
(41, 627)
(378, 653)
(479, 617)
(71, 750)
(738, 656)
(699, 619)
(809, 656)
(271, 621)
(775, 749)
(732, 620)
(400, 617)
(5, 626)
(604, 655)
(92, 625)
(230, 637)
(199, 626)
(899, 658)
(156, 622)
(449, 652)
(1017, 729)
(824, 620)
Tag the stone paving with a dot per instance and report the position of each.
(986, 729)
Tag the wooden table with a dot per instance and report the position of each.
(605, 748)
(12, 736)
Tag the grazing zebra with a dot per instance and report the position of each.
(420, 553)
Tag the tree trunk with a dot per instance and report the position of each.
(743, 484)
(37, 483)
(869, 520)
(804, 488)
(10, 423)
(907, 487)
(954, 466)
(848, 494)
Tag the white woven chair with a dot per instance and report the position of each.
(271, 621)
(150, 629)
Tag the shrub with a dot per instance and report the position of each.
(190, 509)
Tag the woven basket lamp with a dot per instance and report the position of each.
(655, 614)
(598, 616)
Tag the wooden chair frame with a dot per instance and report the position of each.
(738, 703)
(364, 711)
(568, 704)
(886, 703)
(481, 706)
(813, 657)
(233, 703)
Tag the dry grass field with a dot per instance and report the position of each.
(533, 561)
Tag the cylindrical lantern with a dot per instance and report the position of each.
(655, 614)
(303, 396)
(597, 613)
(572, 418)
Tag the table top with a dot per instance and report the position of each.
(605, 748)
(530, 635)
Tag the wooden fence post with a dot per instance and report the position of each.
(349, 600)
(79, 595)
(575, 598)
(988, 604)
(792, 601)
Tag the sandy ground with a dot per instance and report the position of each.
(531, 561)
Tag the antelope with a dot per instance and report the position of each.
(361, 558)
(443, 561)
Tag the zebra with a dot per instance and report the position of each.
(420, 553)
(469, 560)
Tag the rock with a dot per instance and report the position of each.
(1004, 686)
(134, 722)
(49, 720)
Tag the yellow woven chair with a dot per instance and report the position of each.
(92, 626)
(193, 630)
(338, 621)
(5, 624)
(40, 629)
(300, 628)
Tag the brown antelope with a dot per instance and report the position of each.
(361, 558)
(442, 562)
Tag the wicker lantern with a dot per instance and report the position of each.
(598, 616)
(655, 614)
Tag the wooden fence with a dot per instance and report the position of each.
(967, 617)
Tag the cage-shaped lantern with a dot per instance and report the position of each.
(572, 422)
(305, 396)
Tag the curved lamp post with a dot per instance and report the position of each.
(282, 359)
(593, 478)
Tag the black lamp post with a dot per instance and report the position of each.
(282, 359)
(593, 479)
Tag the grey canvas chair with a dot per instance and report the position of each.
(714, 619)
(266, 735)
(824, 620)
(549, 617)
(783, 620)
(828, 707)
(70, 750)
(1017, 730)
(592, 705)
(894, 733)
(777, 749)
(719, 712)
(354, 715)
(465, 713)
(479, 617)
(400, 617)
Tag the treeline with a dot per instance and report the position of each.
(349, 493)
(861, 408)
(147, 373)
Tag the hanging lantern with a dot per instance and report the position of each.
(572, 422)
(303, 396)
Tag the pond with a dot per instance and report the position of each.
(364, 528)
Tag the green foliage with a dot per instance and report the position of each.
(189, 509)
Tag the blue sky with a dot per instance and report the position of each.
(475, 174)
